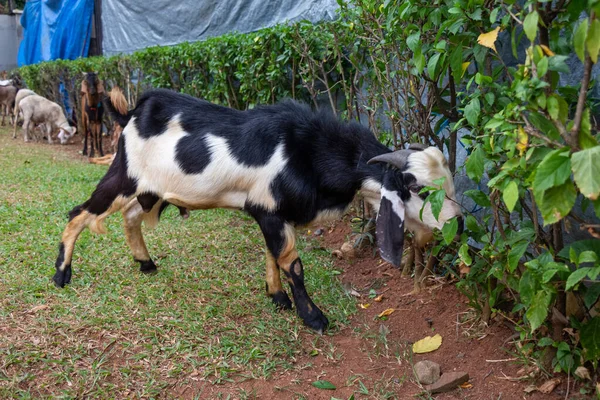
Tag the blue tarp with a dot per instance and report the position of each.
(54, 29)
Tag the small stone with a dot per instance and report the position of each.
(427, 372)
(348, 250)
(447, 382)
(318, 232)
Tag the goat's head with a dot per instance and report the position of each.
(91, 85)
(408, 172)
(66, 133)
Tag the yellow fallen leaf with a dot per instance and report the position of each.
(378, 298)
(488, 39)
(427, 344)
(385, 313)
(465, 385)
(364, 306)
(547, 50)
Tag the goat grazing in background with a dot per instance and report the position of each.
(38, 110)
(92, 110)
(284, 164)
(21, 94)
(8, 94)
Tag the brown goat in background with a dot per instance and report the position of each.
(92, 110)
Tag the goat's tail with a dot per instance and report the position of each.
(116, 104)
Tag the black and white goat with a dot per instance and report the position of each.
(283, 164)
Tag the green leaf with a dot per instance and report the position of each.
(456, 60)
(586, 140)
(576, 277)
(554, 170)
(556, 202)
(544, 125)
(553, 107)
(472, 111)
(463, 254)
(592, 293)
(326, 385)
(436, 198)
(515, 254)
(586, 171)
(480, 198)
(579, 39)
(542, 67)
(511, 195)
(590, 340)
(592, 42)
(538, 310)
(558, 63)
(530, 25)
(413, 41)
(596, 204)
(432, 65)
(449, 230)
(494, 15)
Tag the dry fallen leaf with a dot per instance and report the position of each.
(548, 386)
(385, 313)
(38, 308)
(488, 39)
(466, 385)
(427, 344)
(378, 298)
(530, 389)
(364, 306)
(583, 373)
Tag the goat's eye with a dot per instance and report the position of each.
(416, 189)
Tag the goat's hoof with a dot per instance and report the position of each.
(62, 278)
(282, 301)
(147, 267)
(316, 321)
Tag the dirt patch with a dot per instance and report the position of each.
(371, 357)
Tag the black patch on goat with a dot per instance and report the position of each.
(281, 300)
(116, 182)
(192, 154)
(147, 266)
(61, 278)
(147, 201)
(75, 212)
(306, 309)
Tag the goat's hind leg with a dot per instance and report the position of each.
(133, 216)
(105, 201)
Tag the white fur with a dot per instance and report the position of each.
(224, 182)
(397, 203)
(39, 110)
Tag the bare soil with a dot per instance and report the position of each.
(376, 352)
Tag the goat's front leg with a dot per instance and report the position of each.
(281, 242)
(273, 286)
(98, 128)
(48, 127)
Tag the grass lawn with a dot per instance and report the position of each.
(114, 332)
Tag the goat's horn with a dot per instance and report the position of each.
(397, 158)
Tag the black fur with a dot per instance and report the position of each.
(147, 201)
(61, 278)
(147, 266)
(281, 300)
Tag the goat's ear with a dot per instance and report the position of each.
(84, 87)
(390, 219)
(100, 86)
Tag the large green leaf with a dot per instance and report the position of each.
(456, 60)
(449, 230)
(544, 125)
(579, 39)
(554, 170)
(474, 165)
(590, 340)
(592, 293)
(580, 246)
(576, 277)
(463, 254)
(511, 195)
(556, 202)
(586, 140)
(538, 309)
(592, 42)
(586, 171)
(515, 254)
(472, 111)
(530, 25)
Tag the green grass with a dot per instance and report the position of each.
(116, 333)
